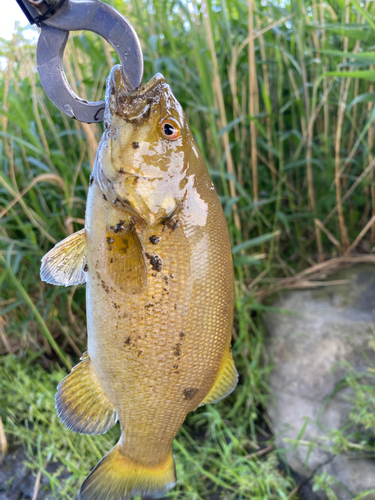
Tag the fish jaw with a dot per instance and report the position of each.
(135, 162)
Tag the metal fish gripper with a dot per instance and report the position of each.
(57, 18)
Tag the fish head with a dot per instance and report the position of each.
(146, 146)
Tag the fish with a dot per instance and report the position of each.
(155, 255)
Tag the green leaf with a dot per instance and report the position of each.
(352, 31)
(248, 259)
(364, 75)
(230, 126)
(364, 13)
(367, 97)
(254, 242)
(368, 57)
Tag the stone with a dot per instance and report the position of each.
(308, 343)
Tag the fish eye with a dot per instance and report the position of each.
(170, 130)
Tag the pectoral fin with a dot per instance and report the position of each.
(65, 264)
(125, 258)
(225, 382)
(81, 403)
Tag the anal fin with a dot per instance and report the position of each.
(225, 382)
(81, 403)
(65, 264)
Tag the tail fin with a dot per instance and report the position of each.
(117, 478)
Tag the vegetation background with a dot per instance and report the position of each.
(280, 97)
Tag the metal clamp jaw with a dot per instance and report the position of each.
(72, 15)
(38, 11)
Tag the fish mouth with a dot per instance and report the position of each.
(134, 106)
(148, 87)
(116, 85)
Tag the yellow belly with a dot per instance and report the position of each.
(157, 351)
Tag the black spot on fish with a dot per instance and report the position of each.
(86, 268)
(175, 367)
(149, 305)
(177, 349)
(125, 247)
(190, 392)
(135, 145)
(119, 227)
(155, 261)
(104, 197)
(172, 224)
(154, 239)
(128, 340)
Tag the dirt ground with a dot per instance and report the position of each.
(18, 483)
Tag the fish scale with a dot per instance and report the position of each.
(156, 330)
(155, 255)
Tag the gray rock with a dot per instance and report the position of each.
(324, 328)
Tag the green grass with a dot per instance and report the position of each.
(302, 188)
(211, 450)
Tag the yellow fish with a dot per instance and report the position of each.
(155, 255)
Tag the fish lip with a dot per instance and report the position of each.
(116, 84)
(140, 101)
(142, 90)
